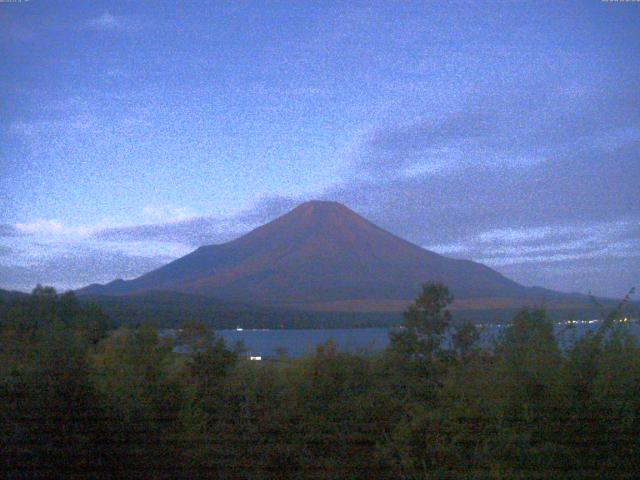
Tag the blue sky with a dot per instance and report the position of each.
(505, 132)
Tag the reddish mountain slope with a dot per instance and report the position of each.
(321, 255)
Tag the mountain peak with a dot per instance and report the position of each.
(325, 203)
(314, 206)
(317, 216)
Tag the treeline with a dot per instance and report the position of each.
(164, 309)
(170, 309)
(82, 399)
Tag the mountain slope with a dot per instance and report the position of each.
(321, 255)
(9, 295)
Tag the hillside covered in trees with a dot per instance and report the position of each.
(81, 398)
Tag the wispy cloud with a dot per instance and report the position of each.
(495, 133)
(547, 244)
(53, 227)
(13, 29)
(609, 276)
(52, 252)
(151, 215)
(78, 268)
(37, 128)
(167, 213)
(109, 22)
(7, 230)
(180, 226)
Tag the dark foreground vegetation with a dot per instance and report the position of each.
(81, 398)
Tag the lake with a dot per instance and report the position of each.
(295, 343)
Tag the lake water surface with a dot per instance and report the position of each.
(265, 343)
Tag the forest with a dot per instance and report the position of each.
(83, 397)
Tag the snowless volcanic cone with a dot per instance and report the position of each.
(323, 256)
